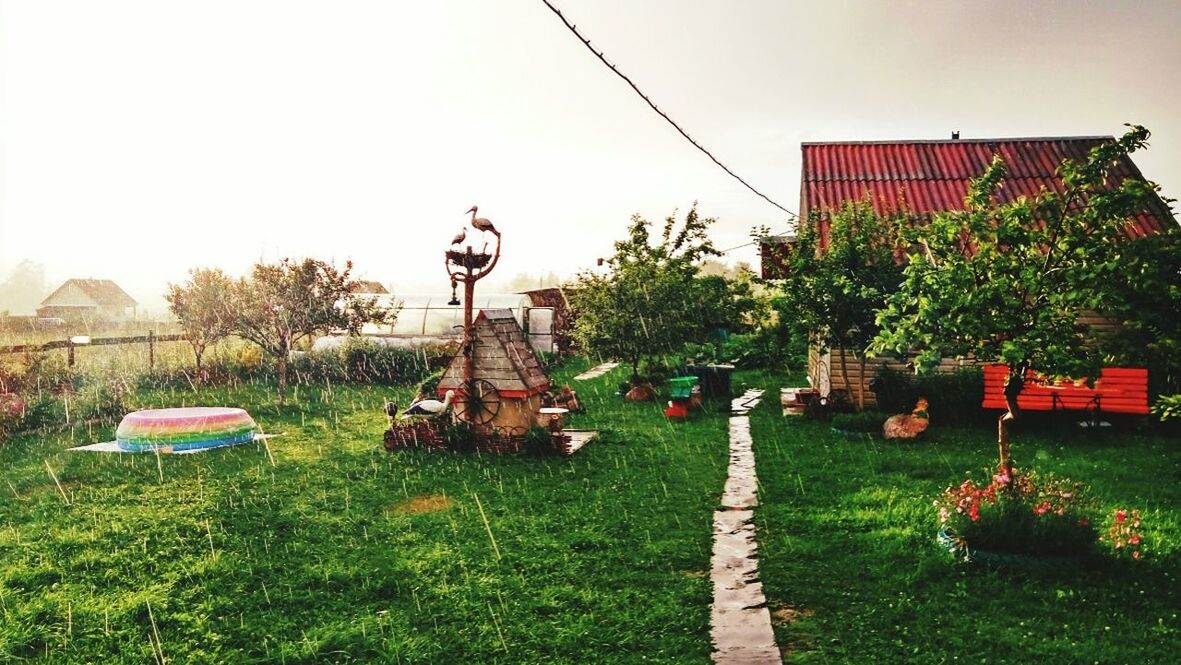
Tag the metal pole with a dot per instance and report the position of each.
(469, 338)
(70, 354)
(151, 349)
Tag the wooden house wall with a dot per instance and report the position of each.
(1098, 323)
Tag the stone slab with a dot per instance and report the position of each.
(740, 623)
(596, 371)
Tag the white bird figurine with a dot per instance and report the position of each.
(459, 237)
(482, 223)
(429, 408)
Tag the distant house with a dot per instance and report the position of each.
(368, 288)
(920, 179)
(88, 299)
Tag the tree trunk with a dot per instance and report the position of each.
(199, 351)
(844, 371)
(282, 376)
(861, 385)
(1013, 387)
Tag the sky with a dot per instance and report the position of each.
(139, 140)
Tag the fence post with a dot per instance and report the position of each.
(70, 353)
(151, 349)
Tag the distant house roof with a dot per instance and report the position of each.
(368, 286)
(926, 177)
(503, 357)
(100, 293)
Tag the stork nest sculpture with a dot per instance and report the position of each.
(467, 259)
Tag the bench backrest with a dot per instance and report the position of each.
(1118, 390)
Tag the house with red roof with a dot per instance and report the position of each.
(922, 178)
(89, 299)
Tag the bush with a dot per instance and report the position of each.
(429, 387)
(459, 436)
(765, 348)
(1022, 514)
(43, 412)
(106, 401)
(539, 441)
(954, 399)
(365, 361)
(868, 422)
(1168, 407)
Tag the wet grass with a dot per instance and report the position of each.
(852, 571)
(337, 551)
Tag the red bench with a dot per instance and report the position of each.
(1117, 390)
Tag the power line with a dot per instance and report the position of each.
(754, 242)
(599, 55)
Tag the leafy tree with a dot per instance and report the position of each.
(282, 303)
(1006, 281)
(23, 288)
(1146, 301)
(648, 304)
(834, 290)
(201, 306)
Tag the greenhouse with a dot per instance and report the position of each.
(425, 319)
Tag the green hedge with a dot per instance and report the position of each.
(954, 399)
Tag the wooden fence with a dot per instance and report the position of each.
(69, 344)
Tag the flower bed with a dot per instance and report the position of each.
(1015, 518)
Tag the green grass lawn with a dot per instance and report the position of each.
(332, 550)
(852, 572)
(339, 552)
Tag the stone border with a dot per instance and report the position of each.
(740, 623)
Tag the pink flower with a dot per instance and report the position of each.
(1134, 539)
(1136, 554)
(1121, 516)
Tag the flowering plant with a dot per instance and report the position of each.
(1022, 513)
(1124, 533)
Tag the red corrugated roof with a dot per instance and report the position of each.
(925, 177)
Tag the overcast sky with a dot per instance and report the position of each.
(141, 139)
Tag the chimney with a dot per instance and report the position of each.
(955, 136)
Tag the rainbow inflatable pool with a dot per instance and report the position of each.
(185, 429)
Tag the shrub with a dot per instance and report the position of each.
(429, 386)
(43, 411)
(458, 435)
(106, 401)
(954, 399)
(868, 422)
(539, 441)
(365, 361)
(1021, 514)
(368, 362)
(1168, 407)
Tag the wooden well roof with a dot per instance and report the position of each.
(503, 357)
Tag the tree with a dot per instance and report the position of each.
(202, 308)
(1146, 302)
(23, 288)
(282, 303)
(834, 290)
(1006, 281)
(646, 305)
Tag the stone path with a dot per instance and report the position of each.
(740, 623)
(596, 372)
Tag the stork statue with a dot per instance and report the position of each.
(482, 223)
(459, 237)
(429, 408)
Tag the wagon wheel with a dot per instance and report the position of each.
(480, 405)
